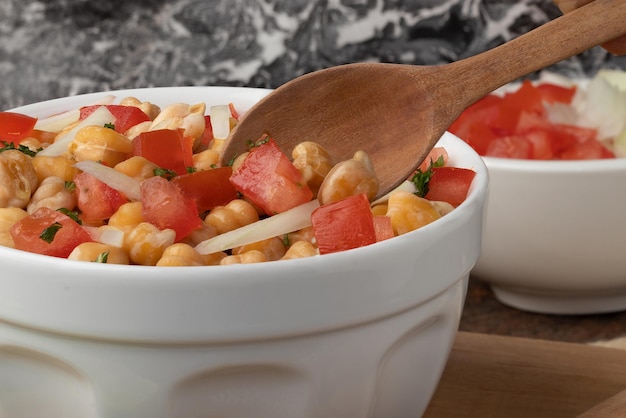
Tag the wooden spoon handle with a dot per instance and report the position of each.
(614, 407)
(561, 38)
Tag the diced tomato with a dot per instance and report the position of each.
(432, 157)
(209, 188)
(516, 125)
(515, 146)
(552, 93)
(97, 201)
(48, 232)
(164, 205)
(270, 180)
(125, 116)
(527, 97)
(233, 112)
(345, 224)
(450, 184)
(15, 126)
(207, 135)
(167, 148)
(590, 149)
(474, 125)
(383, 227)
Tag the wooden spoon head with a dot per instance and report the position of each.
(389, 111)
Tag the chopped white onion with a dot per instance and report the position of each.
(220, 121)
(99, 117)
(56, 123)
(119, 181)
(106, 234)
(601, 106)
(274, 226)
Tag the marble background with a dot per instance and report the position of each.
(55, 48)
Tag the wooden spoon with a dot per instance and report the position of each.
(396, 113)
(614, 407)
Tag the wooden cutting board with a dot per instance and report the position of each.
(496, 376)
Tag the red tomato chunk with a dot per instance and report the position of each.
(450, 184)
(48, 232)
(516, 126)
(97, 201)
(209, 188)
(125, 116)
(164, 205)
(344, 224)
(270, 180)
(167, 148)
(14, 126)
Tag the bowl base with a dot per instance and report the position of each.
(560, 302)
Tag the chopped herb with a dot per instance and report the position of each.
(214, 166)
(263, 140)
(70, 185)
(165, 173)
(6, 146)
(49, 233)
(109, 125)
(231, 161)
(102, 257)
(421, 178)
(72, 214)
(286, 240)
(191, 170)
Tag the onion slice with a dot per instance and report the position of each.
(99, 117)
(277, 225)
(220, 121)
(106, 234)
(119, 181)
(58, 122)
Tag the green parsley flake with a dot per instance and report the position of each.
(421, 178)
(6, 146)
(49, 233)
(102, 257)
(165, 173)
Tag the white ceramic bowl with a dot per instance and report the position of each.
(555, 235)
(363, 333)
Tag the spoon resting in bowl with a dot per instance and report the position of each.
(396, 113)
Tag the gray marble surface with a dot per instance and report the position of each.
(55, 48)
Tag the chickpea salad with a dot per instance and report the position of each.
(133, 183)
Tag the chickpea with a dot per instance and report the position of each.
(206, 160)
(137, 167)
(300, 249)
(190, 118)
(180, 254)
(59, 166)
(249, 257)
(348, 178)
(148, 108)
(98, 252)
(97, 143)
(409, 212)
(52, 193)
(18, 179)
(314, 162)
(145, 243)
(8, 217)
(272, 248)
(235, 214)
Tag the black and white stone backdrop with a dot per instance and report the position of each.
(55, 48)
